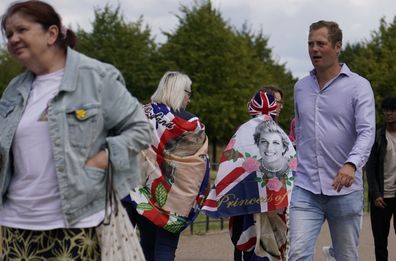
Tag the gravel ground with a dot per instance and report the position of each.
(217, 246)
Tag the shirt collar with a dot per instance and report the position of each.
(344, 71)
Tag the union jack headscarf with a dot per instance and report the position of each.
(262, 103)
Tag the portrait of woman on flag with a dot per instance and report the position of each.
(272, 144)
(254, 181)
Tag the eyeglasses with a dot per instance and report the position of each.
(189, 94)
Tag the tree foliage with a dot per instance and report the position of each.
(375, 60)
(128, 46)
(227, 66)
(273, 72)
(9, 68)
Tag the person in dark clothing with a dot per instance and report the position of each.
(381, 175)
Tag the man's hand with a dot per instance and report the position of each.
(379, 202)
(345, 177)
(99, 160)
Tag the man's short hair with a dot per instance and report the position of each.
(335, 33)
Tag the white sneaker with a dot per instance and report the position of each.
(328, 253)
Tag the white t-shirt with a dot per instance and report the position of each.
(390, 167)
(33, 199)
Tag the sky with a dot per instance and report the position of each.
(284, 22)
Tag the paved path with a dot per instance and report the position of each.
(218, 247)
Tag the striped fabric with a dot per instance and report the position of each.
(176, 168)
(242, 186)
(252, 195)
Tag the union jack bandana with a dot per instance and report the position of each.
(262, 103)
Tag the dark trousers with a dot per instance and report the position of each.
(242, 255)
(157, 243)
(380, 225)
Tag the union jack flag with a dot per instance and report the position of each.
(243, 189)
(242, 186)
(262, 104)
(176, 168)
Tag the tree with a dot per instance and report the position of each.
(226, 66)
(375, 60)
(273, 72)
(128, 46)
(9, 68)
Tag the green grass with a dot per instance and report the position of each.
(199, 226)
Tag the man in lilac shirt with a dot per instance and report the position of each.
(335, 128)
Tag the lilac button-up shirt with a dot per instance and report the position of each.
(334, 125)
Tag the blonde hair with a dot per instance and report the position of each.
(171, 89)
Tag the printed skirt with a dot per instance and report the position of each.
(57, 244)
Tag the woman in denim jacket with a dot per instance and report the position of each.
(61, 122)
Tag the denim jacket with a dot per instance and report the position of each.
(93, 109)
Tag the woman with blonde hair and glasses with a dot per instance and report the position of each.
(176, 168)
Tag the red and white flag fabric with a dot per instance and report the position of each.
(176, 170)
(255, 171)
(253, 187)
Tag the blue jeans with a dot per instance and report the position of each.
(157, 243)
(308, 212)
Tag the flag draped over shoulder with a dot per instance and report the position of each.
(253, 187)
(254, 182)
(245, 182)
(175, 168)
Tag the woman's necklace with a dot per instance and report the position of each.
(272, 170)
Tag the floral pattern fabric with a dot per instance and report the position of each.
(254, 193)
(50, 245)
(243, 185)
(176, 170)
